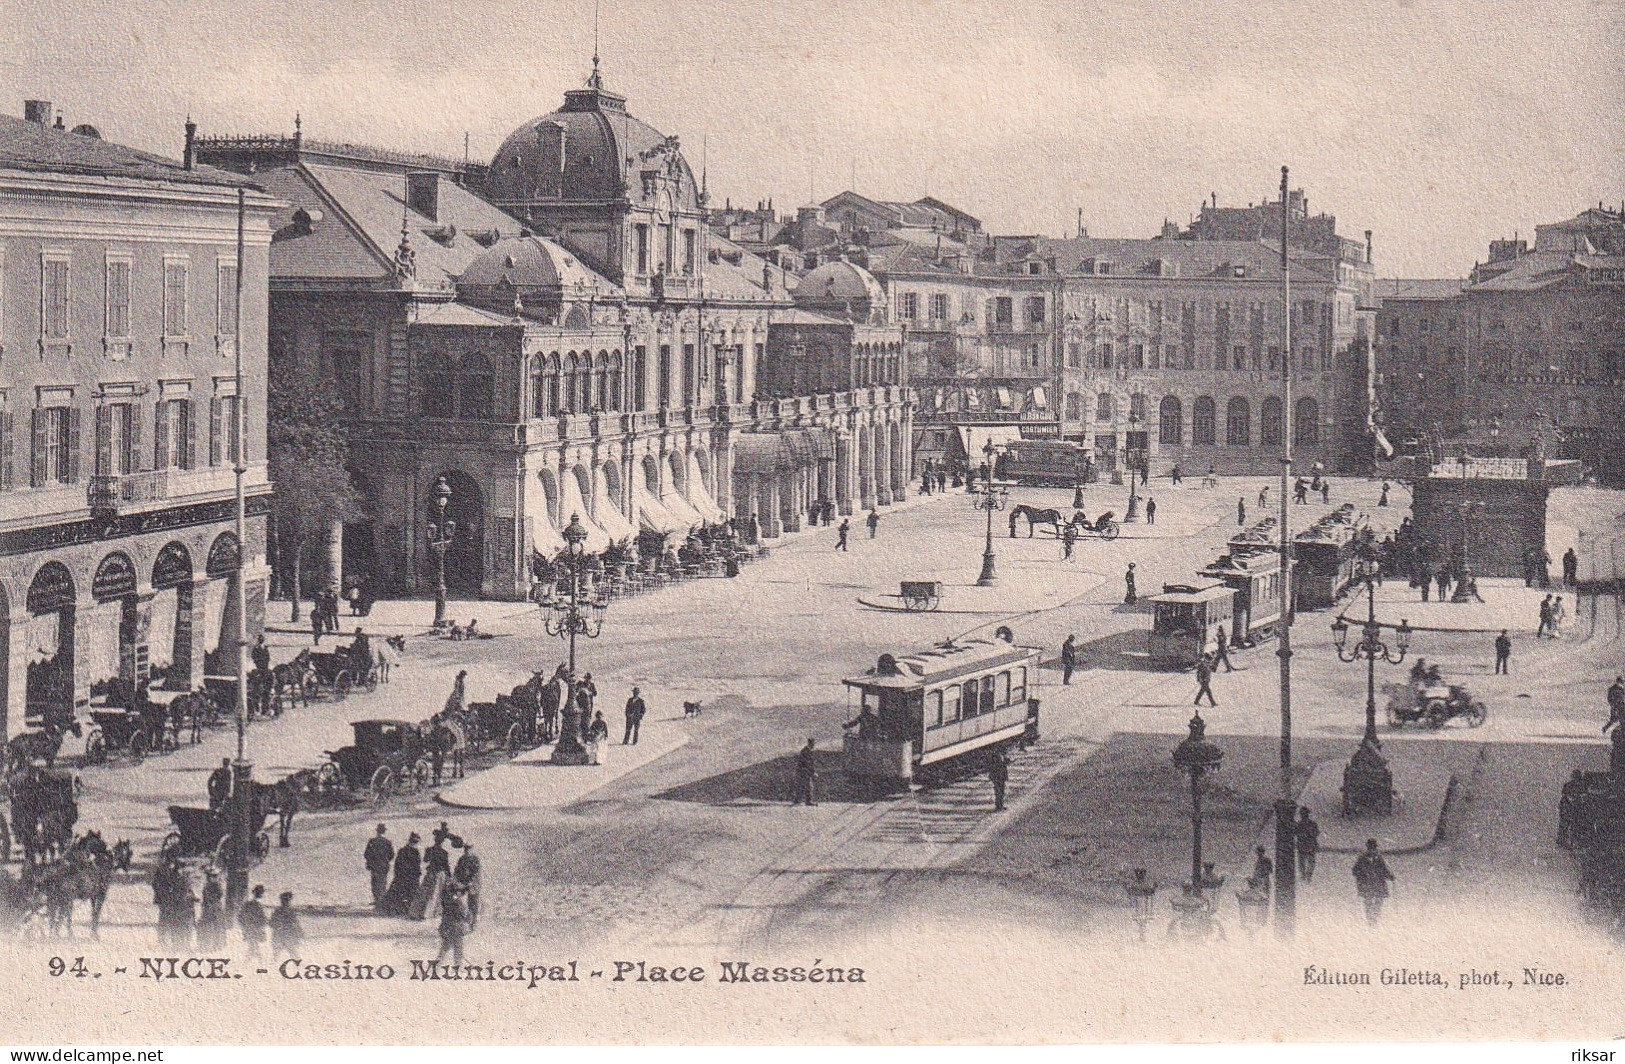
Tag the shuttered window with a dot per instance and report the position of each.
(56, 446)
(225, 303)
(174, 299)
(54, 299)
(117, 321)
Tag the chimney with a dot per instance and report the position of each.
(189, 156)
(59, 123)
(423, 193)
(1368, 259)
(550, 137)
(37, 111)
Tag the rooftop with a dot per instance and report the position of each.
(33, 147)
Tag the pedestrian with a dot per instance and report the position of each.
(1616, 704)
(261, 655)
(1503, 652)
(403, 888)
(597, 735)
(1442, 579)
(873, 520)
(1204, 681)
(1545, 617)
(315, 625)
(1326, 492)
(1371, 879)
(942, 481)
(1145, 477)
(332, 609)
(286, 934)
(998, 772)
(1077, 498)
(1571, 568)
(453, 926)
(1241, 511)
(377, 856)
(211, 923)
(436, 874)
(1222, 656)
(1150, 511)
(1383, 499)
(1306, 833)
(635, 710)
(251, 922)
(841, 533)
(1300, 492)
(1560, 614)
(457, 701)
(1543, 565)
(1264, 497)
(467, 876)
(1069, 541)
(586, 695)
(1069, 658)
(806, 776)
(1129, 597)
(1174, 475)
(1568, 804)
(219, 785)
(1263, 869)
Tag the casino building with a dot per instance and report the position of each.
(119, 564)
(558, 333)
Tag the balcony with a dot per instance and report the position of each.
(113, 494)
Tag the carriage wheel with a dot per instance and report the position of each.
(262, 845)
(139, 745)
(172, 840)
(1394, 719)
(934, 602)
(421, 774)
(382, 779)
(1437, 714)
(95, 747)
(1111, 531)
(341, 685)
(516, 736)
(1476, 715)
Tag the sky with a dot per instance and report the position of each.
(1438, 125)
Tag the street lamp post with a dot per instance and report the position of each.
(1464, 591)
(990, 501)
(1368, 784)
(442, 531)
(1196, 757)
(1135, 456)
(567, 617)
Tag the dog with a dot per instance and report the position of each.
(692, 709)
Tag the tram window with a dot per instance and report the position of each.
(1018, 686)
(1004, 690)
(933, 708)
(950, 704)
(986, 704)
(968, 705)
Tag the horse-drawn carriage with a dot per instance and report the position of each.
(206, 833)
(920, 595)
(44, 809)
(387, 757)
(1432, 702)
(344, 670)
(1103, 527)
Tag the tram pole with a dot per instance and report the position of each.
(1286, 849)
(240, 853)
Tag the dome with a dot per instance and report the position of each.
(526, 262)
(604, 150)
(839, 282)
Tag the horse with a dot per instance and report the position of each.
(1035, 517)
(295, 680)
(281, 798)
(83, 873)
(383, 659)
(43, 745)
(44, 827)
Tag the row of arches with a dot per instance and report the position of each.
(1240, 428)
(877, 364)
(577, 382)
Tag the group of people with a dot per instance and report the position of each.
(417, 884)
(188, 920)
(324, 614)
(1371, 872)
(1552, 615)
(934, 475)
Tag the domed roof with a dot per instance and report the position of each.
(839, 282)
(605, 152)
(528, 262)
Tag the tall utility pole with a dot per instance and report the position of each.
(241, 851)
(1286, 849)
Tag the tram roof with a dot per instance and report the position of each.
(1205, 594)
(945, 660)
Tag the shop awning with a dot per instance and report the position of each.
(1040, 401)
(701, 498)
(571, 505)
(652, 516)
(1003, 396)
(609, 516)
(977, 437)
(761, 454)
(545, 538)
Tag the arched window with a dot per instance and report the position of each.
(1171, 421)
(439, 395)
(1269, 421)
(476, 388)
(570, 390)
(1105, 409)
(1238, 423)
(615, 382)
(1202, 422)
(1306, 423)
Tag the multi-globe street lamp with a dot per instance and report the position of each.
(1368, 784)
(566, 616)
(1195, 756)
(442, 532)
(991, 500)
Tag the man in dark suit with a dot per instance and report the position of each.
(635, 711)
(806, 775)
(378, 857)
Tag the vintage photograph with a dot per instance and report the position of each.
(604, 522)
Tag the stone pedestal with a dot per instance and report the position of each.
(1368, 785)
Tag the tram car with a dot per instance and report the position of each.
(1326, 557)
(1185, 620)
(1046, 464)
(943, 711)
(1255, 578)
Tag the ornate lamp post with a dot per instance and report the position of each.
(1463, 592)
(991, 500)
(566, 617)
(1142, 893)
(1196, 757)
(442, 531)
(1368, 785)
(1135, 456)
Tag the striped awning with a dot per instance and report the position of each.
(763, 453)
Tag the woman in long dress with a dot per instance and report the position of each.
(436, 873)
(403, 887)
(457, 701)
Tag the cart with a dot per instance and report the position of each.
(919, 595)
(206, 833)
(387, 757)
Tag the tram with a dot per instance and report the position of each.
(1255, 577)
(942, 711)
(1185, 622)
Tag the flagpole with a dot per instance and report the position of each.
(1285, 807)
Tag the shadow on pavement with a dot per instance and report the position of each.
(1121, 650)
(773, 783)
